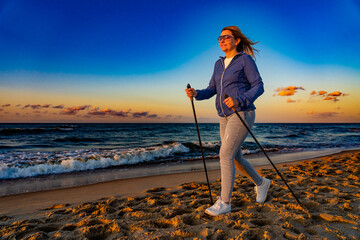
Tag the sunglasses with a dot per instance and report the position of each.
(224, 37)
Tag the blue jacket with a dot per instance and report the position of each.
(240, 80)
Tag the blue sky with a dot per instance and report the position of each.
(149, 47)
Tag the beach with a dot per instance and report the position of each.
(172, 206)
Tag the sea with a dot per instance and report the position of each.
(30, 150)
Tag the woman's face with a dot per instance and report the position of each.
(228, 44)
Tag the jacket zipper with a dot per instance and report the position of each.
(221, 81)
(221, 88)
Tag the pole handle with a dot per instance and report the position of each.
(188, 87)
(226, 96)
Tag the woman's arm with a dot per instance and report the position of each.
(257, 87)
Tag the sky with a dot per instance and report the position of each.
(130, 61)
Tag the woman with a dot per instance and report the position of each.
(237, 76)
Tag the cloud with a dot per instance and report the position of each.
(79, 108)
(38, 106)
(119, 113)
(290, 100)
(1, 109)
(59, 106)
(318, 93)
(35, 106)
(97, 112)
(6, 105)
(323, 114)
(68, 112)
(139, 114)
(331, 96)
(107, 111)
(92, 111)
(74, 110)
(337, 93)
(328, 114)
(287, 91)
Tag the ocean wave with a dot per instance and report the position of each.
(21, 130)
(72, 162)
(76, 139)
(293, 135)
(5, 147)
(14, 131)
(354, 129)
(205, 145)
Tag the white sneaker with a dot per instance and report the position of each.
(262, 190)
(219, 208)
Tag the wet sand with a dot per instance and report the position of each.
(172, 206)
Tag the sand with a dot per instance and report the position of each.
(172, 207)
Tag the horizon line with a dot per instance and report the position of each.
(173, 123)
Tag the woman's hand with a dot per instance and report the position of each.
(231, 102)
(191, 93)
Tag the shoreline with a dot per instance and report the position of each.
(172, 206)
(83, 178)
(27, 203)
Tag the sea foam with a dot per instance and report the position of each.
(71, 161)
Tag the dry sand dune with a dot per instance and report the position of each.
(329, 188)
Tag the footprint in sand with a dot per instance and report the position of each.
(155, 190)
(190, 186)
(114, 202)
(311, 231)
(312, 205)
(261, 222)
(69, 227)
(190, 219)
(57, 206)
(276, 193)
(4, 218)
(264, 209)
(242, 203)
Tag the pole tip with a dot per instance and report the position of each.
(188, 85)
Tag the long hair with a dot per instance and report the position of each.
(245, 45)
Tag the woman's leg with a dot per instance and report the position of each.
(242, 164)
(233, 134)
(239, 167)
(247, 169)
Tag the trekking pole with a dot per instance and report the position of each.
(201, 148)
(233, 108)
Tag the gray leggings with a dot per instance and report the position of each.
(233, 134)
